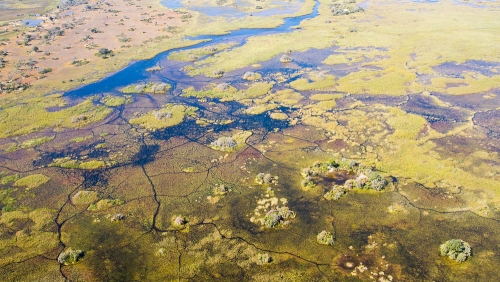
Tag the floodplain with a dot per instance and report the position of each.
(240, 140)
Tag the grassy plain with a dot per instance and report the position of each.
(118, 188)
(19, 10)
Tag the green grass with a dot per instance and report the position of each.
(89, 165)
(325, 83)
(12, 9)
(150, 88)
(178, 112)
(31, 143)
(69, 163)
(36, 142)
(105, 204)
(279, 116)
(239, 137)
(262, 48)
(31, 116)
(9, 178)
(32, 181)
(85, 197)
(113, 101)
(196, 53)
(212, 91)
(81, 139)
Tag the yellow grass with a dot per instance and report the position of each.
(326, 83)
(196, 53)
(178, 113)
(32, 181)
(32, 116)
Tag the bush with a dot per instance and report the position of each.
(220, 190)
(105, 53)
(277, 216)
(377, 181)
(456, 249)
(70, 256)
(117, 217)
(265, 178)
(78, 63)
(160, 88)
(44, 71)
(263, 259)
(285, 59)
(179, 221)
(225, 144)
(272, 219)
(336, 193)
(218, 73)
(162, 115)
(307, 182)
(250, 75)
(325, 238)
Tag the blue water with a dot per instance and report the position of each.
(136, 72)
(228, 11)
(29, 22)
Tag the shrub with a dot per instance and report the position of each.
(361, 181)
(218, 73)
(179, 221)
(277, 216)
(285, 59)
(78, 63)
(336, 193)
(339, 10)
(105, 53)
(265, 178)
(70, 256)
(223, 86)
(224, 144)
(117, 217)
(77, 119)
(456, 249)
(307, 182)
(377, 181)
(325, 238)
(162, 115)
(220, 190)
(250, 75)
(262, 259)
(160, 88)
(44, 71)
(272, 219)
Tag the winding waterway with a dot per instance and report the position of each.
(136, 71)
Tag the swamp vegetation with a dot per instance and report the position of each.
(324, 141)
